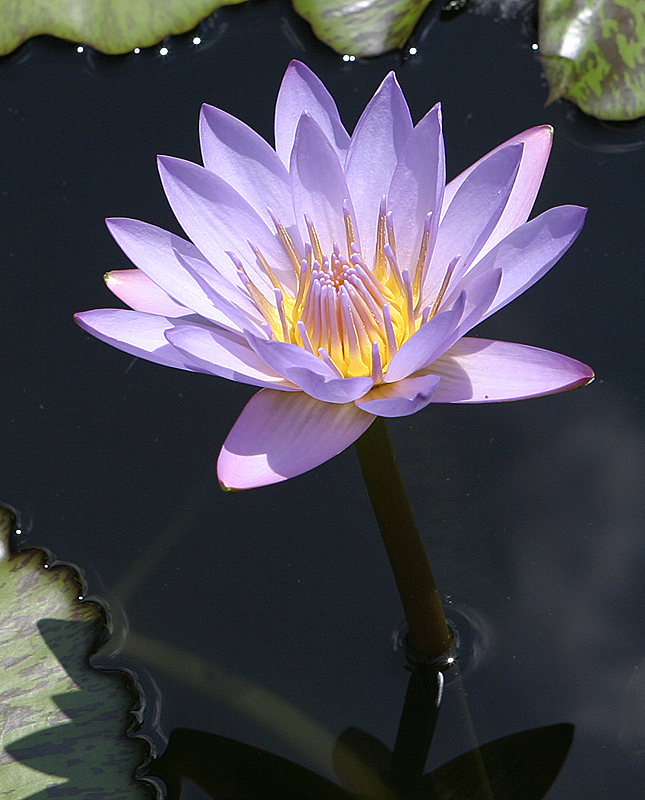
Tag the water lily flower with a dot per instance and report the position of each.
(339, 273)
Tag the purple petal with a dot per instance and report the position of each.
(530, 251)
(141, 294)
(225, 354)
(472, 215)
(282, 434)
(402, 398)
(237, 309)
(488, 371)
(141, 335)
(246, 162)
(318, 184)
(479, 297)
(376, 146)
(423, 346)
(309, 372)
(537, 146)
(335, 390)
(417, 187)
(154, 251)
(218, 219)
(303, 92)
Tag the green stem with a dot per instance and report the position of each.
(428, 633)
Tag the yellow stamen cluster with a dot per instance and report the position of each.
(352, 316)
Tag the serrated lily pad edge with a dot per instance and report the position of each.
(60, 592)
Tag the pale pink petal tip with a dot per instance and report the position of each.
(141, 294)
(280, 435)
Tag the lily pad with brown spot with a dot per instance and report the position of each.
(593, 52)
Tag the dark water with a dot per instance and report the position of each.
(532, 512)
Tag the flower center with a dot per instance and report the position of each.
(351, 316)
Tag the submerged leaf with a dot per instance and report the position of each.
(362, 27)
(64, 723)
(593, 52)
(111, 26)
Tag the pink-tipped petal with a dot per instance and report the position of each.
(318, 184)
(246, 162)
(377, 143)
(303, 92)
(136, 333)
(280, 435)
(537, 147)
(141, 294)
(402, 398)
(488, 371)
(225, 354)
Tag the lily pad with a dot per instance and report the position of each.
(111, 26)
(366, 28)
(64, 723)
(593, 52)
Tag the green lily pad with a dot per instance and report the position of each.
(367, 28)
(64, 723)
(593, 52)
(111, 26)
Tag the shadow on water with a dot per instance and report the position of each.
(524, 764)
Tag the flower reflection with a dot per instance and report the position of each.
(339, 273)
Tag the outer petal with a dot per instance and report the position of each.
(488, 371)
(141, 335)
(537, 146)
(318, 184)
(141, 294)
(309, 372)
(154, 251)
(217, 219)
(529, 252)
(417, 187)
(472, 215)
(377, 143)
(246, 162)
(282, 434)
(225, 354)
(302, 91)
(402, 398)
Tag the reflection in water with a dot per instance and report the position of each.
(579, 542)
(601, 136)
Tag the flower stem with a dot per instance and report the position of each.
(428, 632)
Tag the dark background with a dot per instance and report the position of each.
(532, 512)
